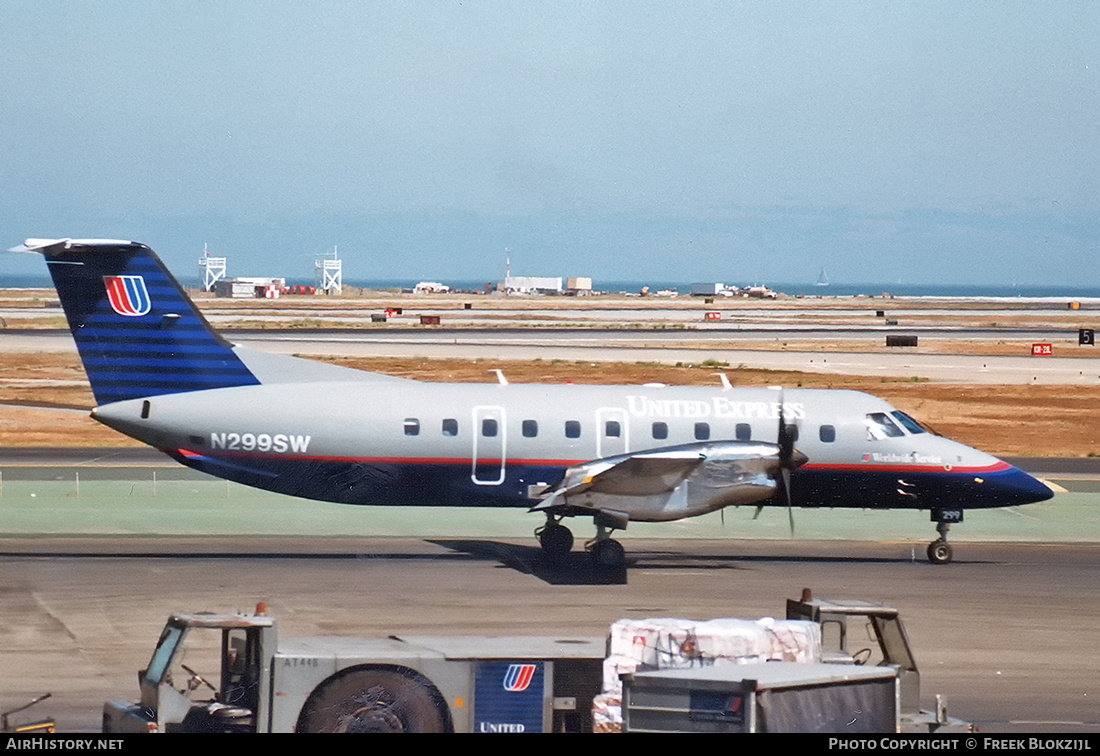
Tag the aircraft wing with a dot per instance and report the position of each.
(634, 475)
(663, 484)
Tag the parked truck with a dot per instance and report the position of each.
(259, 683)
(232, 673)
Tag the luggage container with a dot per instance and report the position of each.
(764, 697)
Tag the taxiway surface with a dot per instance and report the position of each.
(1005, 632)
(668, 347)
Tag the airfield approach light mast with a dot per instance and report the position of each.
(212, 269)
(507, 269)
(330, 273)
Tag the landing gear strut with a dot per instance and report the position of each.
(939, 551)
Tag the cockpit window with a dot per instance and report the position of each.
(880, 426)
(908, 423)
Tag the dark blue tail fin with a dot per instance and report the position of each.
(138, 334)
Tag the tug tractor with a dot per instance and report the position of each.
(230, 673)
(869, 634)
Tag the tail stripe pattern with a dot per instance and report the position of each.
(138, 334)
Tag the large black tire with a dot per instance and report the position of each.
(609, 554)
(375, 699)
(556, 541)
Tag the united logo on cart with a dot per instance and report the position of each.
(127, 295)
(518, 677)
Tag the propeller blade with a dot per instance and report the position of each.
(787, 489)
(785, 441)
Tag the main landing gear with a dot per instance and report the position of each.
(556, 541)
(606, 552)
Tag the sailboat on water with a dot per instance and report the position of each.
(822, 279)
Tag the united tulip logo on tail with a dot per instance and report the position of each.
(127, 295)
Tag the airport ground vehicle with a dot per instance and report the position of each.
(768, 697)
(394, 684)
(884, 629)
(41, 725)
(864, 679)
(232, 673)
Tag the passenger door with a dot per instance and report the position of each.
(611, 430)
(489, 446)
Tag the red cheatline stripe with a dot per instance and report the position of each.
(999, 466)
(380, 460)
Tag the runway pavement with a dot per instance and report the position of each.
(669, 347)
(1005, 633)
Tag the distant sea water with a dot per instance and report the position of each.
(808, 289)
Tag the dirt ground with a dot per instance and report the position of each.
(44, 399)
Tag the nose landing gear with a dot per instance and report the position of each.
(939, 551)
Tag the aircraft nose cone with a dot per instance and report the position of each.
(1022, 488)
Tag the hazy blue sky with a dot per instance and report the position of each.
(728, 141)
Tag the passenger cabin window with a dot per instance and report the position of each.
(743, 432)
(827, 433)
(572, 429)
(660, 431)
(450, 427)
(412, 426)
(612, 429)
(530, 428)
(908, 423)
(880, 426)
(489, 427)
(702, 431)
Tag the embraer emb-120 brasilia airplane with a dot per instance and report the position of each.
(652, 453)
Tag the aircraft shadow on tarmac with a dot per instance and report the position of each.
(577, 567)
